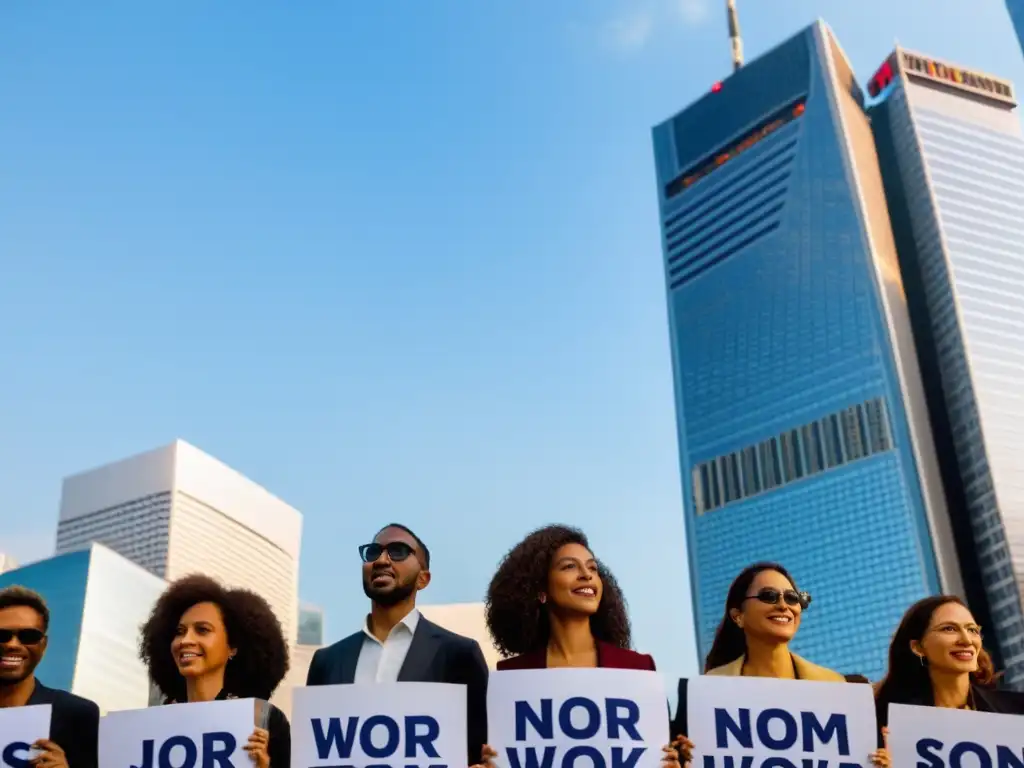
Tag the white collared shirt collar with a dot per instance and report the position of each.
(410, 621)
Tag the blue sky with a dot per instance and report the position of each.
(392, 261)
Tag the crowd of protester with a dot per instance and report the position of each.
(551, 604)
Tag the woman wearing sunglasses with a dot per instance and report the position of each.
(936, 659)
(204, 642)
(763, 609)
(762, 615)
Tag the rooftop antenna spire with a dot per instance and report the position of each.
(734, 35)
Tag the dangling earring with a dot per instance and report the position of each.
(921, 659)
(542, 599)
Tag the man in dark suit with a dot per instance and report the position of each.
(74, 721)
(396, 643)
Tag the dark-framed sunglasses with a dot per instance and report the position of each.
(792, 598)
(397, 551)
(25, 636)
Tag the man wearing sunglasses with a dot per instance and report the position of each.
(74, 721)
(396, 643)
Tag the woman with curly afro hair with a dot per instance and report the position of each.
(552, 605)
(204, 642)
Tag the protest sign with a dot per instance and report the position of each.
(402, 725)
(587, 718)
(758, 722)
(20, 727)
(935, 737)
(203, 735)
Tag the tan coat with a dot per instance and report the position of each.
(805, 670)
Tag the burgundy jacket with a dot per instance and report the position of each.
(608, 656)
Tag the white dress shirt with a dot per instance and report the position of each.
(381, 662)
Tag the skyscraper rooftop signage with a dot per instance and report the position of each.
(916, 66)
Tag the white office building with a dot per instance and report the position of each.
(953, 158)
(176, 511)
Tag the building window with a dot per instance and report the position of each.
(879, 436)
(716, 493)
(833, 441)
(698, 490)
(853, 433)
(751, 476)
(813, 448)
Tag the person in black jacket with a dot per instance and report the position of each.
(396, 643)
(936, 659)
(204, 642)
(74, 721)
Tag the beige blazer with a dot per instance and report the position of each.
(805, 670)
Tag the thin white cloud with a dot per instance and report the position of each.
(693, 12)
(629, 32)
(642, 19)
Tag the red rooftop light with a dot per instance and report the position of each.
(716, 87)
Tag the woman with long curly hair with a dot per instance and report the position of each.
(551, 604)
(204, 642)
(936, 659)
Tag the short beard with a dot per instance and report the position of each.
(393, 596)
(9, 681)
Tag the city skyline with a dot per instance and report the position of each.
(222, 256)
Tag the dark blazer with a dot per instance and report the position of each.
(74, 724)
(279, 735)
(608, 657)
(435, 656)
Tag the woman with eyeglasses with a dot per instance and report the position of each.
(936, 659)
(551, 604)
(763, 610)
(204, 642)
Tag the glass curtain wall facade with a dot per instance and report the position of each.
(802, 426)
(1016, 9)
(953, 159)
(97, 600)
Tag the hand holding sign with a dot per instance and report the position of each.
(880, 757)
(684, 748)
(258, 748)
(50, 755)
(21, 729)
(200, 735)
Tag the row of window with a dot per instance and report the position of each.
(854, 433)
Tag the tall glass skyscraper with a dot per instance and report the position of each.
(953, 161)
(1016, 9)
(803, 431)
